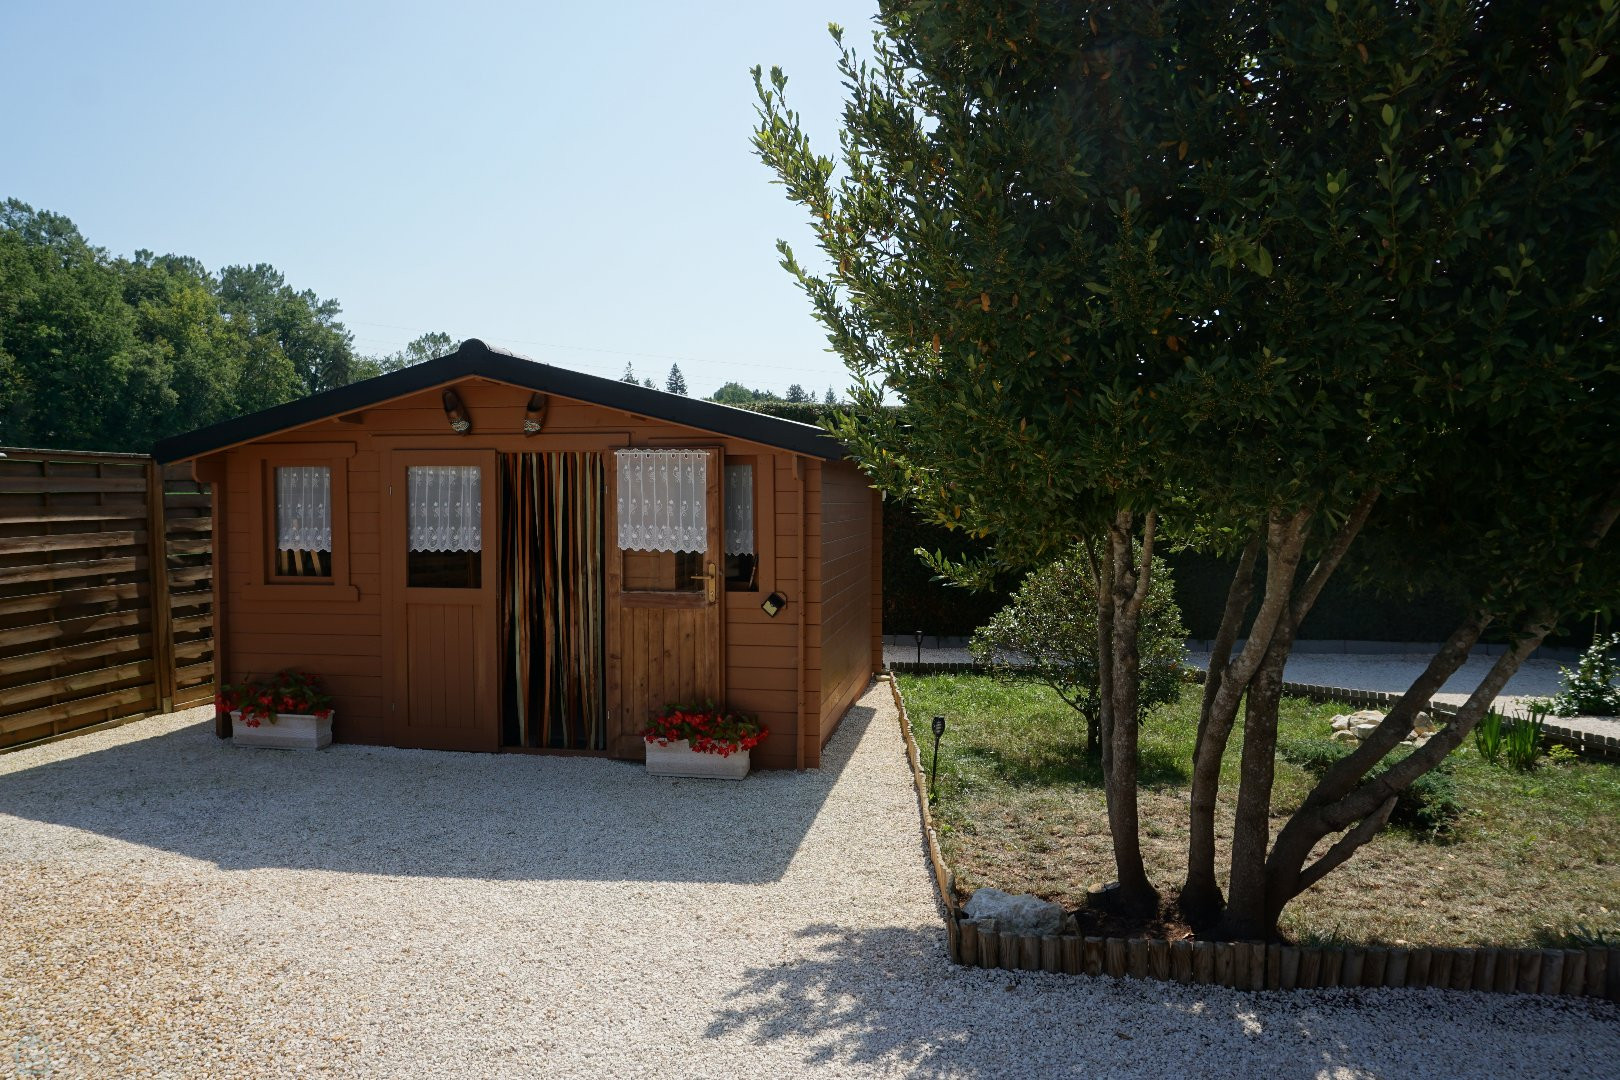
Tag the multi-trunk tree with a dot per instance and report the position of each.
(1325, 285)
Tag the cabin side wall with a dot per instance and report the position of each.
(339, 636)
(845, 590)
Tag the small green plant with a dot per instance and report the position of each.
(1523, 743)
(1586, 937)
(1562, 756)
(1315, 756)
(1593, 688)
(1488, 737)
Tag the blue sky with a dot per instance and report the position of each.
(572, 181)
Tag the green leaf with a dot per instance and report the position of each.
(1388, 113)
(1262, 261)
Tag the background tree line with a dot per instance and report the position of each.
(103, 352)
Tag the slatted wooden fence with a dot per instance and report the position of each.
(106, 602)
(1593, 971)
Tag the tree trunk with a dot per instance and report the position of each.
(1201, 902)
(1342, 797)
(1287, 874)
(1201, 899)
(1135, 895)
(1245, 915)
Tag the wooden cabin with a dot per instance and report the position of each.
(484, 552)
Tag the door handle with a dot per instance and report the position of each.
(711, 588)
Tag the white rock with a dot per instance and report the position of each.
(1364, 729)
(1341, 722)
(1345, 736)
(1018, 914)
(1366, 716)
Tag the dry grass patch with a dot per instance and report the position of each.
(1530, 861)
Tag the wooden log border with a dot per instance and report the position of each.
(1253, 965)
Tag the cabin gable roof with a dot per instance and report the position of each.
(476, 359)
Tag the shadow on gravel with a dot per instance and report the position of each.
(888, 998)
(377, 810)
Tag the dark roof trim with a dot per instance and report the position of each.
(473, 359)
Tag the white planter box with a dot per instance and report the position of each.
(679, 759)
(291, 731)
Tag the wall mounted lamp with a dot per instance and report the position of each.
(534, 415)
(773, 604)
(460, 423)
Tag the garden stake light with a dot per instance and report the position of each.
(919, 646)
(933, 770)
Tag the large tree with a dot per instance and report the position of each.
(101, 352)
(1314, 284)
(424, 347)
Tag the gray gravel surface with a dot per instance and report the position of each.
(175, 906)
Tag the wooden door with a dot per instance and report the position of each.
(440, 628)
(665, 621)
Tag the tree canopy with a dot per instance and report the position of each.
(1314, 283)
(102, 352)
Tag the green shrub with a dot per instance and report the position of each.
(1593, 688)
(1488, 737)
(1428, 807)
(1523, 742)
(1315, 756)
(1049, 630)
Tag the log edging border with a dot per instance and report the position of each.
(1593, 971)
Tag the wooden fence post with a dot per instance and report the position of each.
(157, 561)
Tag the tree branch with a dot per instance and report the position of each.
(1347, 845)
(1305, 596)
(1285, 543)
(1344, 774)
(1144, 573)
(1238, 595)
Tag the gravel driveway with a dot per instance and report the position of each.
(174, 906)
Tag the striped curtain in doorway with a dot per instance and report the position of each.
(552, 633)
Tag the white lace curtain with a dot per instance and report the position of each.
(303, 508)
(663, 500)
(445, 508)
(739, 509)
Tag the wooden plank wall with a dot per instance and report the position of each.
(845, 590)
(342, 641)
(105, 591)
(338, 640)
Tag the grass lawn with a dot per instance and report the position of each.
(1020, 807)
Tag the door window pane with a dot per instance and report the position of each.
(445, 524)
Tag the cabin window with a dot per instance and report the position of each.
(303, 522)
(662, 510)
(445, 522)
(742, 552)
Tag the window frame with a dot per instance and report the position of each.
(263, 582)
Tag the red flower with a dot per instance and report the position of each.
(707, 730)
